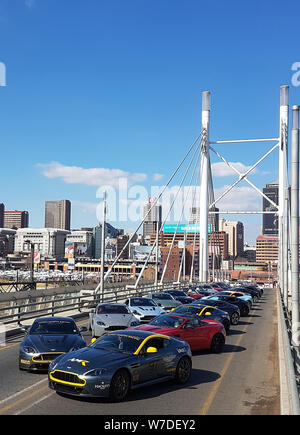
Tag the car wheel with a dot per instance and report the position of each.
(217, 343)
(119, 386)
(234, 318)
(245, 311)
(183, 370)
(226, 325)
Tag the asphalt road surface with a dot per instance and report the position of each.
(242, 380)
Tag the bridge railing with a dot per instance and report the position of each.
(23, 306)
(288, 363)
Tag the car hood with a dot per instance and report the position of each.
(155, 329)
(147, 310)
(168, 303)
(115, 319)
(88, 358)
(54, 343)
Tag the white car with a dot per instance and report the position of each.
(110, 317)
(145, 309)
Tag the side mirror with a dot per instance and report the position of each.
(93, 311)
(151, 350)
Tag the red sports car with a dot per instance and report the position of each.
(198, 333)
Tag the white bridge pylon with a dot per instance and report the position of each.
(197, 158)
(282, 209)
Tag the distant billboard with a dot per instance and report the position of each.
(75, 250)
(184, 228)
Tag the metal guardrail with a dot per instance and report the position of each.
(290, 402)
(22, 306)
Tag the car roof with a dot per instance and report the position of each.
(54, 318)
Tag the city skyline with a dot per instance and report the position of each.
(127, 102)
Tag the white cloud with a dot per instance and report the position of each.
(220, 169)
(240, 198)
(91, 176)
(157, 177)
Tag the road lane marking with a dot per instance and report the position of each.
(18, 402)
(13, 396)
(34, 403)
(208, 402)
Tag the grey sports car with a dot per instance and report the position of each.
(120, 361)
(46, 339)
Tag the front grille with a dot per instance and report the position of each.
(46, 357)
(115, 328)
(66, 377)
(147, 317)
(67, 388)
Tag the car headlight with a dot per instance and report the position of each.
(95, 372)
(100, 323)
(52, 366)
(77, 347)
(134, 323)
(29, 349)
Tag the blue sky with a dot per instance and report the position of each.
(116, 85)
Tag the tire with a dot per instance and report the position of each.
(245, 311)
(235, 317)
(183, 370)
(119, 386)
(226, 325)
(217, 343)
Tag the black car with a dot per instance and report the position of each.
(243, 305)
(46, 339)
(232, 310)
(180, 296)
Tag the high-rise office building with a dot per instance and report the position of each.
(58, 214)
(235, 231)
(213, 218)
(153, 218)
(270, 221)
(1, 215)
(16, 219)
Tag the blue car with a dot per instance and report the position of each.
(46, 339)
(120, 361)
(243, 296)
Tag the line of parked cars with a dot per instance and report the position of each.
(141, 341)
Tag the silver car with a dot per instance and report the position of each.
(164, 300)
(145, 309)
(110, 317)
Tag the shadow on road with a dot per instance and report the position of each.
(198, 377)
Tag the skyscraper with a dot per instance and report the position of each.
(58, 214)
(16, 219)
(153, 218)
(270, 221)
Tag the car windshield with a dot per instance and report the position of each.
(176, 293)
(189, 310)
(167, 321)
(118, 343)
(164, 296)
(112, 309)
(142, 302)
(53, 327)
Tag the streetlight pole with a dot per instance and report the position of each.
(31, 260)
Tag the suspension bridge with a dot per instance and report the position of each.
(235, 381)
